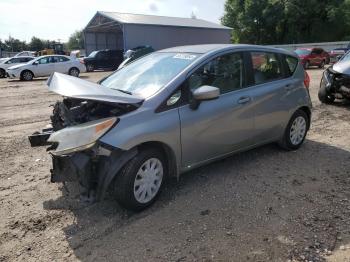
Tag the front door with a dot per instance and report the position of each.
(44, 67)
(219, 126)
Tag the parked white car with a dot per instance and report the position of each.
(25, 53)
(45, 66)
(8, 62)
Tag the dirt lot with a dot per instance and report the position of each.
(262, 205)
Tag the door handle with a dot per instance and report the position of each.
(244, 100)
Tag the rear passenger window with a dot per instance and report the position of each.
(266, 67)
(62, 59)
(224, 72)
(292, 64)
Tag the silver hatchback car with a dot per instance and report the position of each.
(172, 111)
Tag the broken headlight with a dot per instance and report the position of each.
(80, 137)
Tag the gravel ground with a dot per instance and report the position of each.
(261, 205)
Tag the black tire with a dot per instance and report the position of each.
(125, 179)
(90, 67)
(2, 73)
(324, 96)
(286, 142)
(74, 72)
(307, 65)
(27, 75)
(322, 64)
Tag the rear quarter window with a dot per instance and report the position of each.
(292, 64)
(266, 67)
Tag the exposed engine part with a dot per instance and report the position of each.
(71, 112)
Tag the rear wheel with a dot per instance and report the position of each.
(324, 96)
(139, 183)
(296, 131)
(74, 72)
(27, 75)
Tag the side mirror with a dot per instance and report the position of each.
(204, 93)
(36, 63)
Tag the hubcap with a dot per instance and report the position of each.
(74, 72)
(297, 130)
(27, 76)
(148, 180)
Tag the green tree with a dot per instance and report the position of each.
(76, 41)
(14, 45)
(287, 21)
(36, 44)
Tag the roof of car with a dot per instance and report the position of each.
(202, 49)
(23, 56)
(52, 55)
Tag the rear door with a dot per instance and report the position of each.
(62, 64)
(270, 95)
(219, 126)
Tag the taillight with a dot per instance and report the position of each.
(306, 80)
(82, 61)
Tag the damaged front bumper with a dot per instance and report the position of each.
(336, 83)
(94, 169)
(78, 155)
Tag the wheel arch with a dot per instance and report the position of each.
(307, 111)
(168, 153)
(24, 70)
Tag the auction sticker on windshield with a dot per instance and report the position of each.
(185, 56)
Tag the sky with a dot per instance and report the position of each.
(56, 20)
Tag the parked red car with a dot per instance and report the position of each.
(313, 57)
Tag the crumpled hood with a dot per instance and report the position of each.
(342, 67)
(75, 87)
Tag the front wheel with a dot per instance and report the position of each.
(139, 183)
(322, 64)
(296, 131)
(90, 67)
(27, 75)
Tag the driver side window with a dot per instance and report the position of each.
(224, 72)
(44, 60)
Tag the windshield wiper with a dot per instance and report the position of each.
(123, 91)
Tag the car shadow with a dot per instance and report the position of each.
(266, 190)
(22, 81)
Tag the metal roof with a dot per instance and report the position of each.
(126, 18)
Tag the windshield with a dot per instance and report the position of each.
(302, 51)
(149, 74)
(93, 54)
(345, 57)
